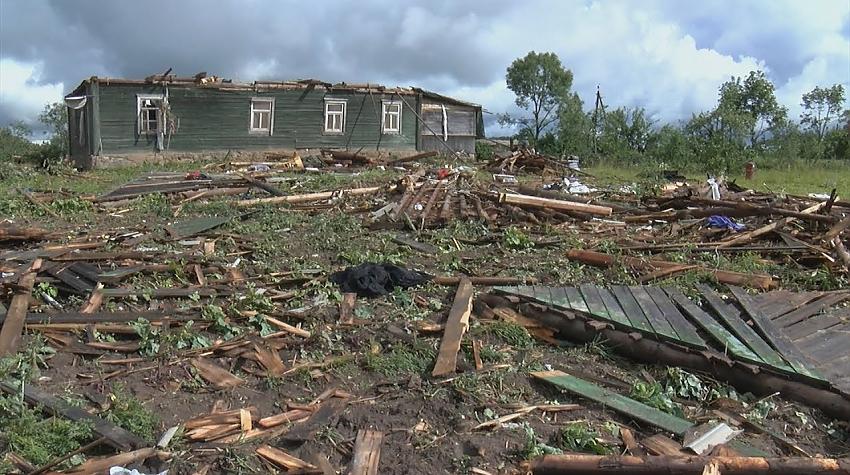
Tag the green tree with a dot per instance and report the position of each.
(672, 147)
(754, 96)
(540, 84)
(14, 141)
(575, 129)
(821, 106)
(626, 132)
(55, 117)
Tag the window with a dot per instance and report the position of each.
(149, 110)
(262, 115)
(334, 117)
(391, 123)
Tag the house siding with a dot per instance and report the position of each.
(219, 119)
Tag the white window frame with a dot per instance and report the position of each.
(385, 129)
(340, 130)
(261, 130)
(142, 125)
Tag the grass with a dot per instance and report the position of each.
(580, 437)
(797, 178)
(128, 412)
(401, 360)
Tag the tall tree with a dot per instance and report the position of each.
(575, 129)
(540, 83)
(754, 96)
(55, 117)
(821, 106)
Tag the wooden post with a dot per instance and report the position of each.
(306, 198)
(10, 334)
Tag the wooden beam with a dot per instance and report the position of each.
(456, 326)
(308, 197)
(537, 202)
(749, 236)
(13, 324)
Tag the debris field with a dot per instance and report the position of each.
(339, 313)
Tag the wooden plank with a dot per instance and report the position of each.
(659, 324)
(617, 402)
(33, 318)
(115, 436)
(807, 327)
(456, 326)
(779, 341)
(215, 374)
(614, 310)
(576, 300)
(13, 323)
(367, 453)
(69, 277)
(813, 308)
(559, 298)
(319, 419)
(594, 301)
(727, 340)
(787, 303)
(660, 444)
(687, 333)
(732, 318)
(630, 306)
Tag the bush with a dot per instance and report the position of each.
(483, 150)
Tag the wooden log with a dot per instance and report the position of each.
(537, 202)
(350, 156)
(308, 197)
(13, 324)
(262, 185)
(599, 259)
(456, 326)
(558, 195)
(684, 465)
(10, 232)
(367, 453)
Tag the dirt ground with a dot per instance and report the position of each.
(385, 359)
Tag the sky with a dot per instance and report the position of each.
(667, 56)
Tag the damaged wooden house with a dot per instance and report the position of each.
(132, 120)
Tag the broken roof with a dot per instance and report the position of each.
(201, 80)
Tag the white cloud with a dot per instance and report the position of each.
(21, 95)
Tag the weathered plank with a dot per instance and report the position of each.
(190, 227)
(456, 326)
(687, 333)
(614, 310)
(115, 436)
(576, 300)
(779, 341)
(367, 453)
(659, 324)
(13, 324)
(618, 402)
(630, 306)
(811, 325)
(813, 308)
(594, 301)
(559, 298)
(732, 318)
(717, 331)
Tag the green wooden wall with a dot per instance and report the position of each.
(214, 119)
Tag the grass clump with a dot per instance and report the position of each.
(129, 413)
(402, 359)
(37, 439)
(513, 334)
(514, 239)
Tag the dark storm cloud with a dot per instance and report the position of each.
(658, 54)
